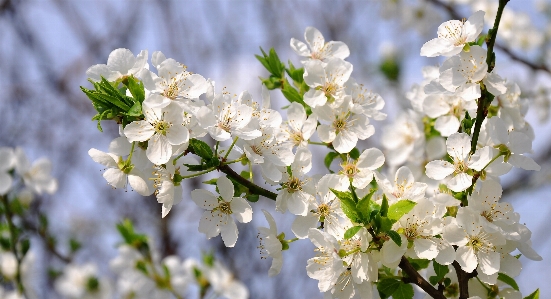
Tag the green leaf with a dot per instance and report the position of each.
(364, 207)
(384, 206)
(354, 153)
(291, 94)
(395, 237)
(404, 291)
(201, 149)
(74, 245)
(136, 88)
(351, 232)
(329, 159)
(135, 110)
(348, 205)
(398, 209)
(440, 270)
(419, 264)
(508, 280)
(386, 225)
(387, 287)
(534, 295)
(296, 74)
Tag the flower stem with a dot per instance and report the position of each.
(230, 148)
(316, 143)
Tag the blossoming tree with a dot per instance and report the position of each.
(379, 227)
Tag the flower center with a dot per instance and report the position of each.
(171, 91)
(225, 207)
(323, 210)
(161, 127)
(293, 185)
(349, 169)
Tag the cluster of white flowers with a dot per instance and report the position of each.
(363, 223)
(140, 276)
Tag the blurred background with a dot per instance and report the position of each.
(46, 47)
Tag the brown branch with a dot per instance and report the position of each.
(463, 279)
(416, 278)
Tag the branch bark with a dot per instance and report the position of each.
(419, 280)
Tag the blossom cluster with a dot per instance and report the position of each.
(466, 128)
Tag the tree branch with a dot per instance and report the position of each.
(253, 188)
(419, 280)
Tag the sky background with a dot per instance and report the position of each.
(46, 47)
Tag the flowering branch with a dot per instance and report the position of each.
(486, 97)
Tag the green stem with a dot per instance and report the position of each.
(198, 173)
(131, 152)
(234, 161)
(230, 148)
(251, 172)
(486, 97)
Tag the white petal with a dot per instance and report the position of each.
(158, 150)
(103, 158)
(299, 47)
(460, 182)
(466, 258)
(459, 145)
(439, 169)
(115, 177)
(447, 125)
(302, 225)
(425, 249)
(139, 131)
(138, 183)
(489, 262)
(229, 233)
(371, 159)
(345, 141)
(241, 210)
(225, 188)
(204, 199)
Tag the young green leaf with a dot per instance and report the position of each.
(440, 270)
(329, 159)
(201, 149)
(354, 153)
(398, 209)
(348, 205)
(508, 280)
(404, 291)
(395, 237)
(384, 206)
(534, 295)
(387, 287)
(419, 264)
(351, 232)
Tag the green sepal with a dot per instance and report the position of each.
(253, 197)
(508, 280)
(351, 232)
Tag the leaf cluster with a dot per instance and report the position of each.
(113, 103)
